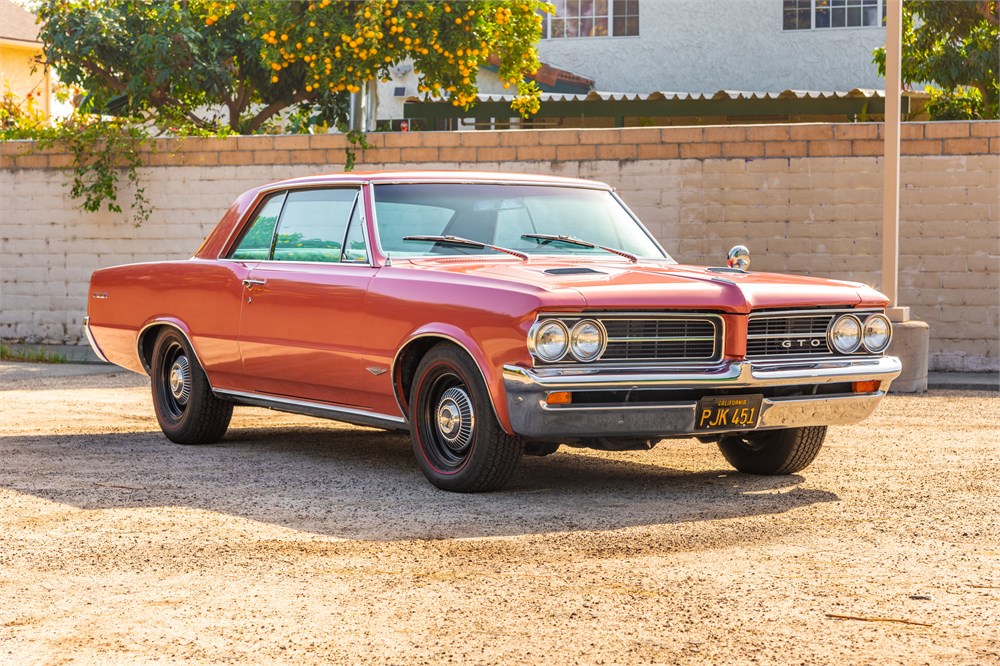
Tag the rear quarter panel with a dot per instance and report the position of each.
(202, 298)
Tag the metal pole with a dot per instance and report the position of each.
(890, 183)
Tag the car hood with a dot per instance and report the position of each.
(647, 285)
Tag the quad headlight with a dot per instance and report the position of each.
(587, 340)
(551, 340)
(877, 333)
(844, 334)
(847, 334)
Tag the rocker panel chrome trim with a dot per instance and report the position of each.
(321, 410)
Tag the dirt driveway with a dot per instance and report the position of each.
(297, 541)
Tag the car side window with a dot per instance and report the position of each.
(354, 243)
(313, 224)
(256, 242)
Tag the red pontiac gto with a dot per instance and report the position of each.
(492, 315)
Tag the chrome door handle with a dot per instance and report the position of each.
(247, 282)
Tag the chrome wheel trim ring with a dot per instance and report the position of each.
(455, 419)
(180, 380)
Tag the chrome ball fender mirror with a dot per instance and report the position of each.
(738, 257)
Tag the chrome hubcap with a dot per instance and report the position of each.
(180, 380)
(455, 419)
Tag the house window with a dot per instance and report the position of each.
(808, 14)
(797, 14)
(592, 18)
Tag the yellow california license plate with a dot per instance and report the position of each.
(727, 412)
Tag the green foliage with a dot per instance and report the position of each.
(169, 67)
(29, 354)
(158, 60)
(334, 45)
(956, 104)
(167, 62)
(955, 45)
(102, 149)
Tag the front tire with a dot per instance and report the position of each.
(457, 440)
(186, 409)
(773, 452)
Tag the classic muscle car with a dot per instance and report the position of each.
(492, 315)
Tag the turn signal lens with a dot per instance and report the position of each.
(866, 387)
(878, 333)
(559, 398)
(587, 340)
(845, 334)
(550, 341)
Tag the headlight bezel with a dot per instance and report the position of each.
(832, 330)
(875, 349)
(602, 336)
(536, 330)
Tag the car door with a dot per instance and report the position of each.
(300, 328)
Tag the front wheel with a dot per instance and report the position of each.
(456, 438)
(186, 409)
(773, 452)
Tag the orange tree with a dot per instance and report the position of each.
(333, 46)
(178, 62)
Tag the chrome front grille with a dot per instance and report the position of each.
(647, 338)
(783, 335)
(794, 334)
(661, 339)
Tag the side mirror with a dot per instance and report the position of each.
(738, 257)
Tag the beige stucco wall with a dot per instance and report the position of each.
(16, 63)
(805, 198)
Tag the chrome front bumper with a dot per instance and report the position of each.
(532, 417)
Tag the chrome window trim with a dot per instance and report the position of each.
(595, 185)
(358, 200)
(458, 180)
(266, 191)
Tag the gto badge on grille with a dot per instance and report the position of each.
(802, 343)
(375, 370)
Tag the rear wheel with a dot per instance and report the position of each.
(186, 409)
(456, 438)
(773, 452)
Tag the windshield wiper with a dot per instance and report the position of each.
(573, 240)
(468, 242)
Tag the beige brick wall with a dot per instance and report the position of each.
(805, 198)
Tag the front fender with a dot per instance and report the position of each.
(491, 369)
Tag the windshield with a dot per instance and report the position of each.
(510, 216)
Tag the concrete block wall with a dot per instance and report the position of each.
(805, 198)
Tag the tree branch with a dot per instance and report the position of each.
(272, 109)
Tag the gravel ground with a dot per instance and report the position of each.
(298, 541)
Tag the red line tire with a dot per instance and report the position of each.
(457, 440)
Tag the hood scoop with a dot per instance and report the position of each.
(573, 270)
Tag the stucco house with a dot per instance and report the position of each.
(20, 51)
(671, 58)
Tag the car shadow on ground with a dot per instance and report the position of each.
(365, 484)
